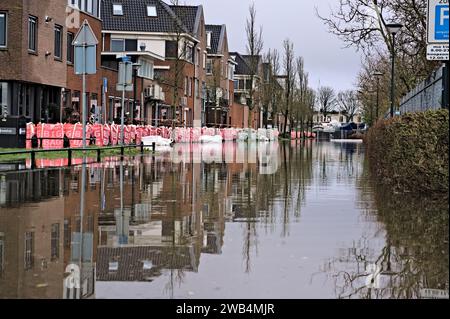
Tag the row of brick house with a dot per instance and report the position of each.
(171, 47)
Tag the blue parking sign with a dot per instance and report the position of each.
(441, 22)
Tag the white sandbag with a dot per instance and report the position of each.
(211, 139)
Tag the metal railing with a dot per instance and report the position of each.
(70, 151)
(427, 95)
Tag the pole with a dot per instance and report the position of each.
(378, 98)
(82, 196)
(103, 121)
(122, 117)
(156, 113)
(83, 112)
(134, 93)
(393, 76)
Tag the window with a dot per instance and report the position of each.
(209, 66)
(90, 6)
(147, 264)
(70, 48)
(171, 49)
(32, 33)
(204, 60)
(55, 242)
(197, 88)
(248, 84)
(190, 53)
(113, 266)
(58, 41)
(231, 72)
(190, 87)
(151, 11)
(117, 10)
(117, 45)
(121, 45)
(197, 57)
(208, 39)
(130, 45)
(2, 30)
(29, 250)
(241, 85)
(146, 70)
(67, 233)
(185, 85)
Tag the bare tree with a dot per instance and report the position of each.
(271, 89)
(178, 52)
(290, 76)
(278, 89)
(214, 90)
(348, 103)
(303, 110)
(255, 46)
(362, 24)
(327, 99)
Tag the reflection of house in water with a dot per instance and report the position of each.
(39, 225)
(143, 263)
(146, 234)
(31, 254)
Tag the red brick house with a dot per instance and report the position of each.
(172, 41)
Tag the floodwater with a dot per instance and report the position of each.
(224, 221)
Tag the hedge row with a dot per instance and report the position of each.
(410, 153)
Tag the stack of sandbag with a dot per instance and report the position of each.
(196, 133)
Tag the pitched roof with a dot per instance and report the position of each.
(244, 63)
(134, 18)
(216, 34)
(188, 15)
(130, 261)
(242, 68)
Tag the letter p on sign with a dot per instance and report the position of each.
(442, 23)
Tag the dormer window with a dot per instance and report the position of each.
(151, 11)
(117, 10)
(208, 39)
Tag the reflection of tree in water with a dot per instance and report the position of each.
(415, 255)
(265, 198)
(177, 275)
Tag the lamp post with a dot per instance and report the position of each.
(136, 67)
(378, 75)
(393, 29)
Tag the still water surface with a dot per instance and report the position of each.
(229, 221)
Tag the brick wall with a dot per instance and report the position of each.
(16, 62)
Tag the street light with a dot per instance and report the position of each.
(393, 29)
(136, 67)
(378, 75)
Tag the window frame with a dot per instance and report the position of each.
(117, 40)
(55, 241)
(29, 241)
(35, 20)
(208, 39)
(5, 15)
(150, 13)
(115, 12)
(209, 62)
(70, 54)
(58, 29)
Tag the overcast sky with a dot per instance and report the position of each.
(325, 58)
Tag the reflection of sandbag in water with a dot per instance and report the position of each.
(268, 158)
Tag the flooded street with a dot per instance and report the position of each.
(266, 220)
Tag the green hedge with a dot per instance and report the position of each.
(410, 153)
